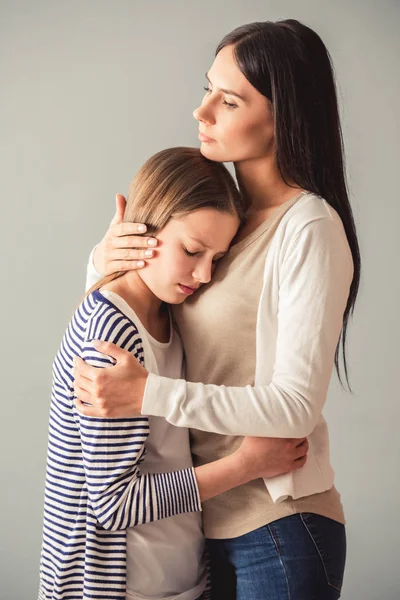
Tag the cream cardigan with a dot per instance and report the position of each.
(307, 277)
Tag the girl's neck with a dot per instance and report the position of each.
(151, 311)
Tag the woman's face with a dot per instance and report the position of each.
(190, 246)
(235, 120)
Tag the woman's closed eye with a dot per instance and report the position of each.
(229, 104)
(208, 90)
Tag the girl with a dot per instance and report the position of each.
(272, 320)
(103, 534)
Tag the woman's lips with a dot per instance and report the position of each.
(205, 138)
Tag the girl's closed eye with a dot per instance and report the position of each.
(189, 253)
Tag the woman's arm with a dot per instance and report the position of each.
(315, 276)
(112, 450)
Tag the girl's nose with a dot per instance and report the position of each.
(203, 272)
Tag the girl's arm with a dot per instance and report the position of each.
(112, 449)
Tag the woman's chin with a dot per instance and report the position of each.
(211, 153)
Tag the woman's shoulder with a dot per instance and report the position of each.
(308, 209)
(313, 216)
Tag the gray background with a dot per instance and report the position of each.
(88, 91)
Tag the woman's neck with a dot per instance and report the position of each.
(260, 181)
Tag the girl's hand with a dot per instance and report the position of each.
(123, 248)
(112, 392)
(268, 457)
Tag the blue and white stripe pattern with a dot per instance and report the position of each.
(94, 488)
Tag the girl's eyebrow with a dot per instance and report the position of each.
(223, 252)
(200, 242)
(229, 92)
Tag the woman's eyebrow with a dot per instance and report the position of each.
(229, 92)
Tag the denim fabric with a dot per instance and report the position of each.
(301, 557)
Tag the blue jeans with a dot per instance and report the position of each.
(301, 557)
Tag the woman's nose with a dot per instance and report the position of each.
(203, 114)
(196, 114)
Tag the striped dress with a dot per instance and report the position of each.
(94, 487)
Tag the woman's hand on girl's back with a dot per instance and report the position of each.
(268, 457)
(124, 247)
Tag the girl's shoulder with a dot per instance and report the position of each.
(105, 320)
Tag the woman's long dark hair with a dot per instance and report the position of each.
(289, 64)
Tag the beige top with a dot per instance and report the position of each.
(218, 329)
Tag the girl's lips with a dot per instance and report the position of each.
(205, 139)
(187, 290)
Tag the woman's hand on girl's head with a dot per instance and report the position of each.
(123, 247)
(113, 392)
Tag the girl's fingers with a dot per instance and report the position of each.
(300, 462)
(301, 441)
(301, 451)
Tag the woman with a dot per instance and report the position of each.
(271, 321)
(105, 528)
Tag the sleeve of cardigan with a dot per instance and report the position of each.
(92, 276)
(315, 274)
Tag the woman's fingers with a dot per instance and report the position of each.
(122, 229)
(127, 254)
(126, 235)
(125, 265)
(120, 205)
(85, 372)
(82, 395)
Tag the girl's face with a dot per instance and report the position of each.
(190, 246)
(235, 121)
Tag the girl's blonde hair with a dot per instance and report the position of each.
(172, 183)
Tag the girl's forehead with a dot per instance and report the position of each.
(211, 228)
